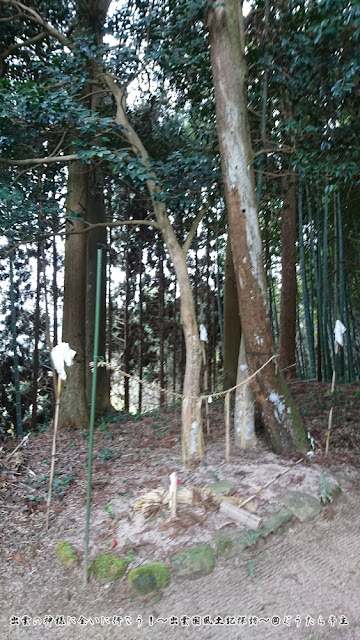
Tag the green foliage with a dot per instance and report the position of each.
(106, 454)
(60, 484)
(326, 489)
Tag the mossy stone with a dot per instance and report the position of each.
(222, 487)
(149, 577)
(194, 563)
(66, 554)
(108, 567)
(231, 543)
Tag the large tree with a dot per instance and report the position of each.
(227, 41)
(85, 201)
(131, 158)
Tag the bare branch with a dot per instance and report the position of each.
(90, 227)
(37, 161)
(256, 154)
(41, 36)
(31, 14)
(254, 113)
(109, 225)
(194, 226)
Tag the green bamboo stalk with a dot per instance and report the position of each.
(327, 333)
(260, 164)
(308, 324)
(314, 268)
(92, 411)
(344, 306)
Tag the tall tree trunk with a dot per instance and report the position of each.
(209, 299)
(127, 329)
(54, 280)
(73, 406)
(161, 324)
(141, 332)
(287, 335)
(232, 328)
(96, 238)
(36, 341)
(175, 340)
(85, 197)
(280, 415)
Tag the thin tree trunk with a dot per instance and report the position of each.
(209, 344)
(287, 335)
(110, 321)
(280, 415)
(175, 341)
(327, 368)
(54, 282)
(308, 321)
(36, 341)
(19, 426)
(192, 436)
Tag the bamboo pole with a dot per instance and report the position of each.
(206, 385)
(332, 400)
(53, 451)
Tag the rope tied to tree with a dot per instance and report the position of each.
(174, 394)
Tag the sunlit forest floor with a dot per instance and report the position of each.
(294, 572)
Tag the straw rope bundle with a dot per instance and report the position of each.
(151, 502)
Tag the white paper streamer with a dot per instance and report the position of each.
(203, 333)
(339, 332)
(62, 355)
(173, 481)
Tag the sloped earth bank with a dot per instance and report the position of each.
(312, 569)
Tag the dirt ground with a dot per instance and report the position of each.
(302, 584)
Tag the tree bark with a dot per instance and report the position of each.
(232, 327)
(87, 199)
(73, 407)
(127, 328)
(141, 331)
(95, 212)
(161, 278)
(244, 416)
(282, 421)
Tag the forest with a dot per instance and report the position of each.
(213, 155)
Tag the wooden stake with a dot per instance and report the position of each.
(282, 473)
(207, 412)
(332, 400)
(227, 427)
(173, 498)
(53, 452)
